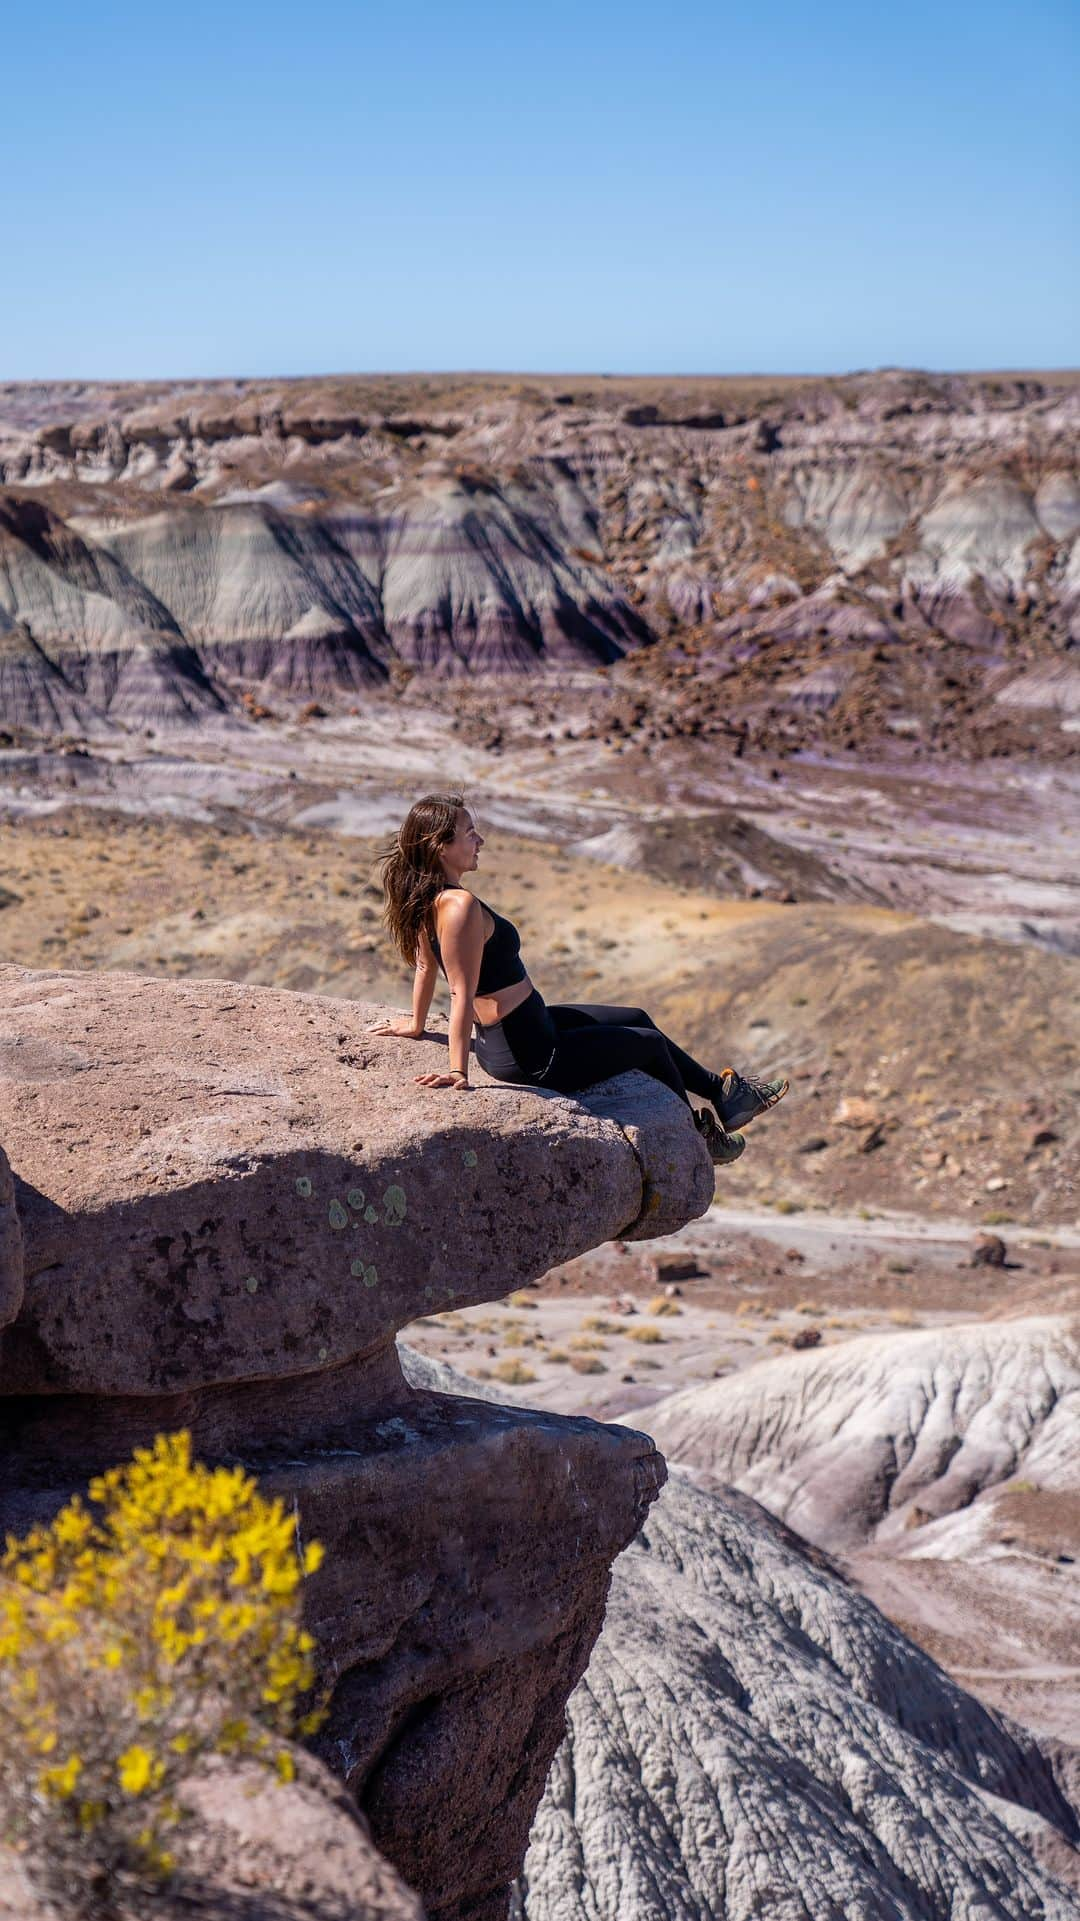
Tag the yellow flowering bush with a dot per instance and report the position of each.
(151, 1625)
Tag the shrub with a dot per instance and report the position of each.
(597, 1324)
(587, 1364)
(586, 1344)
(146, 1628)
(514, 1373)
(647, 1334)
(521, 1299)
(660, 1304)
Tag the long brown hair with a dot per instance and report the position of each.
(412, 872)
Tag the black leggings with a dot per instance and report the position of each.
(568, 1048)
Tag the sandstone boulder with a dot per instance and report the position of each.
(231, 1200)
(220, 1183)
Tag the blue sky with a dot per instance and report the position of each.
(270, 189)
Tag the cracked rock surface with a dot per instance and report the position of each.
(753, 1738)
(845, 1443)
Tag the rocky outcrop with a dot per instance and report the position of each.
(220, 1183)
(941, 1463)
(752, 1737)
(251, 1849)
(231, 1199)
(310, 539)
(153, 621)
(855, 1442)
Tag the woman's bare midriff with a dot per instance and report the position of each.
(489, 1008)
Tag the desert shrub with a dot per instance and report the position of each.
(586, 1344)
(647, 1334)
(515, 1373)
(520, 1299)
(660, 1304)
(150, 1626)
(904, 1317)
(587, 1364)
(598, 1324)
(558, 1355)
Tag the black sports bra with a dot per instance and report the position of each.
(501, 964)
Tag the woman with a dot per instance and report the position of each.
(436, 922)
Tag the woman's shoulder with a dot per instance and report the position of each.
(455, 904)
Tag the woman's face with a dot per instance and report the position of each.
(462, 852)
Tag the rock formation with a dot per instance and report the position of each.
(753, 1738)
(253, 1849)
(230, 1201)
(161, 548)
(941, 1463)
(845, 1444)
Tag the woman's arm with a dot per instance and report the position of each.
(461, 940)
(424, 979)
(427, 973)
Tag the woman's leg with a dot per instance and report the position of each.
(697, 1079)
(593, 1050)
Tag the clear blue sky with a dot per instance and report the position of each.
(234, 188)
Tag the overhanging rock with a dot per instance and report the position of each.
(222, 1183)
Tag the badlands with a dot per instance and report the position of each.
(766, 697)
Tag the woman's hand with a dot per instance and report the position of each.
(403, 1030)
(445, 1080)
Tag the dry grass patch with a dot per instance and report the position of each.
(596, 1324)
(520, 1299)
(808, 1307)
(904, 1317)
(586, 1344)
(647, 1334)
(587, 1364)
(660, 1304)
(515, 1373)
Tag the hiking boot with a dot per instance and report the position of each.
(742, 1097)
(723, 1147)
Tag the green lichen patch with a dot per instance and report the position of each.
(303, 1187)
(355, 1198)
(394, 1206)
(337, 1216)
(371, 1215)
(468, 1158)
